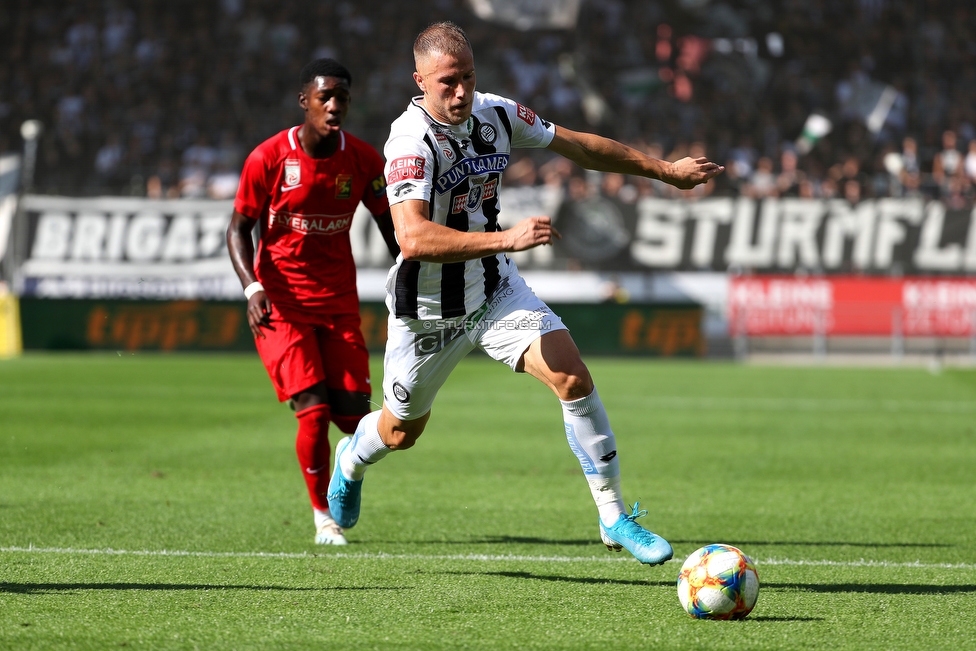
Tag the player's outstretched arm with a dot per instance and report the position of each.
(595, 152)
(241, 249)
(422, 239)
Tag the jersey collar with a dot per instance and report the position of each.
(293, 140)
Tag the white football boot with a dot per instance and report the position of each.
(330, 533)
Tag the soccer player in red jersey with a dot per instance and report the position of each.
(302, 186)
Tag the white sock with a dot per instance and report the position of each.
(592, 441)
(365, 449)
(321, 518)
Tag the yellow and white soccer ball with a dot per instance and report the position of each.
(718, 582)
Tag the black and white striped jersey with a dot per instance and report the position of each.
(457, 169)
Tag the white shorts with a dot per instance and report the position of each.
(421, 353)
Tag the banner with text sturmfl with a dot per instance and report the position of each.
(831, 236)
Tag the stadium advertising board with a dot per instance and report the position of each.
(131, 325)
(848, 305)
(659, 330)
(126, 325)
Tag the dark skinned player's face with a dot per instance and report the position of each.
(326, 102)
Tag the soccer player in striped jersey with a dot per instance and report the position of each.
(302, 187)
(454, 289)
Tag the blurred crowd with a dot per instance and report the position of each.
(165, 98)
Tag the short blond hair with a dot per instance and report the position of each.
(444, 37)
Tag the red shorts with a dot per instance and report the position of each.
(298, 355)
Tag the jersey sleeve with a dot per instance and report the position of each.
(254, 188)
(409, 169)
(529, 131)
(374, 196)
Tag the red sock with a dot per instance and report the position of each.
(312, 446)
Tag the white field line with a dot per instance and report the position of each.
(488, 558)
(807, 404)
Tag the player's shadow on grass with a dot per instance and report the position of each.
(874, 588)
(588, 580)
(42, 588)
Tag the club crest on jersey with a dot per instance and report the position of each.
(343, 186)
(445, 144)
(526, 114)
(487, 133)
(400, 393)
(478, 194)
(293, 172)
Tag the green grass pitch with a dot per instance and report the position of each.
(154, 502)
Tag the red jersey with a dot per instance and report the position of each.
(305, 206)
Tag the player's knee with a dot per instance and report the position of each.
(573, 386)
(313, 396)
